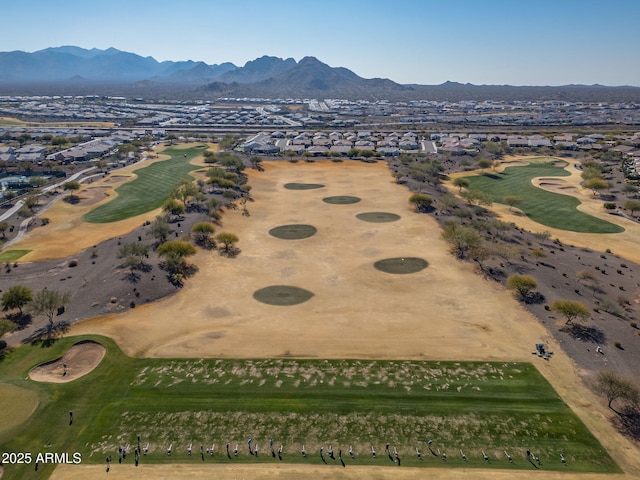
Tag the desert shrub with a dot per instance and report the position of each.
(611, 307)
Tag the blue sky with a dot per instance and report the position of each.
(516, 42)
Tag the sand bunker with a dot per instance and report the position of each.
(92, 195)
(79, 360)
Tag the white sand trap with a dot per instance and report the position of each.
(80, 359)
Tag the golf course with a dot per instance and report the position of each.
(342, 326)
(499, 408)
(544, 207)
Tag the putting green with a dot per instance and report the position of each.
(302, 186)
(293, 232)
(378, 217)
(282, 295)
(341, 200)
(401, 265)
(14, 411)
(547, 208)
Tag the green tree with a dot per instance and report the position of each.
(16, 297)
(72, 186)
(134, 254)
(31, 201)
(584, 275)
(202, 232)
(174, 253)
(543, 236)
(446, 202)
(9, 195)
(228, 141)
(228, 241)
(256, 162)
(596, 184)
(48, 302)
(512, 201)
(523, 284)
(159, 229)
(494, 149)
(591, 172)
(461, 183)
(37, 181)
(570, 309)
(461, 239)
(177, 248)
(632, 205)
(617, 388)
(507, 251)
(478, 197)
(184, 191)
(24, 138)
(484, 163)
(421, 202)
(4, 226)
(231, 161)
(173, 207)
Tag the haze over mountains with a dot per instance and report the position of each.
(75, 70)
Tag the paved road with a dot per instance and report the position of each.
(24, 226)
(429, 146)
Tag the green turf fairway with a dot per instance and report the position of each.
(150, 189)
(12, 255)
(547, 208)
(472, 406)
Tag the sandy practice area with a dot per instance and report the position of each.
(447, 311)
(80, 359)
(316, 472)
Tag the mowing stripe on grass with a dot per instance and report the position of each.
(470, 405)
(149, 190)
(547, 208)
(12, 255)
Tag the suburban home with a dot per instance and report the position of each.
(517, 141)
(539, 141)
(8, 157)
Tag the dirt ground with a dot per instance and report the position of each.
(317, 472)
(445, 312)
(79, 360)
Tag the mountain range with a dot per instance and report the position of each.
(75, 70)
